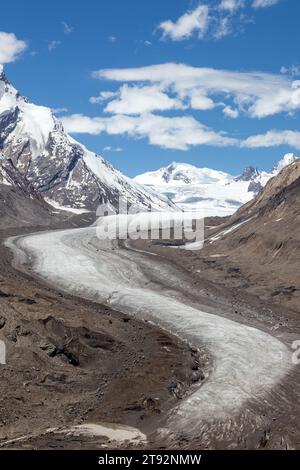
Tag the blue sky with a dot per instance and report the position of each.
(210, 111)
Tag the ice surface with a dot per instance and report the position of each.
(247, 362)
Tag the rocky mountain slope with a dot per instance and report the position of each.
(38, 156)
(215, 192)
(19, 209)
(259, 248)
(254, 254)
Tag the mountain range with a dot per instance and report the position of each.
(41, 159)
(216, 193)
(38, 158)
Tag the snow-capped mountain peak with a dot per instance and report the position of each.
(248, 174)
(177, 174)
(288, 159)
(31, 121)
(214, 192)
(37, 154)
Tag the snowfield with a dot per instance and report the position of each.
(247, 363)
(214, 192)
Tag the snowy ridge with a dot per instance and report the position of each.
(38, 155)
(215, 192)
(181, 174)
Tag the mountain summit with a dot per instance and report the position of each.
(36, 154)
(214, 192)
(288, 159)
(249, 174)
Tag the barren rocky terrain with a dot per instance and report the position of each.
(105, 366)
(249, 384)
(71, 361)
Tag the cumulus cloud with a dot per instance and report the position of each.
(193, 21)
(264, 3)
(231, 5)
(293, 70)
(178, 133)
(196, 99)
(103, 96)
(273, 138)
(256, 94)
(141, 99)
(230, 112)
(167, 132)
(133, 109)
(213, 20)
(10, 47)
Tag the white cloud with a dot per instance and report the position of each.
(193, 21)
(196, 98)
(112, 39)
(230, 112)
(231, 5)
(222, 28)
(264, 3)
(256, 94)
(10, 47)
(67, 28)
(78, 123)
(167, 132)
(173, 86)
(53, 45)
(59, 110)
(285, 100)
(211, 20)
(293, 70)
(141, 99)
(103, 96)
(147, 43)
(273, 138)
(179, 133)
(112, 149)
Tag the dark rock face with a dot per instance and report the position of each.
(8, 121)
(172, 173)
(251, 174)
(62, 175)
(255, 187)
(37, 155)
(248, 174)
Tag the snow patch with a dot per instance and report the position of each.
(64, 208)
(229, 230)
(114, 432)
